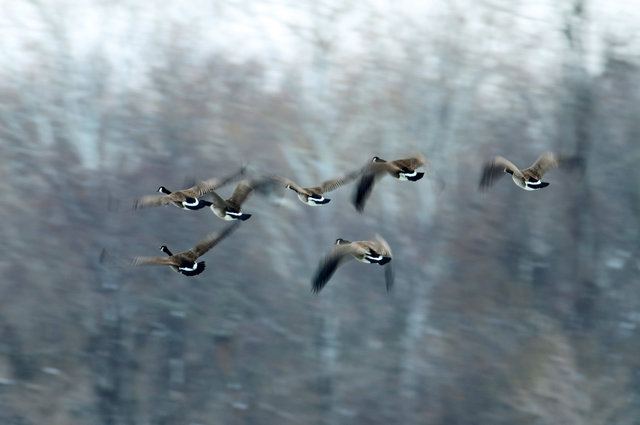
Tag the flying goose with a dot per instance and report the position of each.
(230, 209)
(401, 169)
(376, 251)
(315, 195)
(187, 198)
(185, 262)
(528, 178)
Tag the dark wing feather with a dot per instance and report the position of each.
(495, 169)
(207, 186)
(167, 261)
(389, 275)
(111, 259)
(544, 163)
(264, 185)
(333, 184)
(574, 163)
(328, 267)
(152, 201)
(212, 240)
(218, 201)
(267, 185)
(411, 163)
(382, 246)
(363, 189)
(240, 194)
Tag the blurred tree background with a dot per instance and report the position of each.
(509, 306)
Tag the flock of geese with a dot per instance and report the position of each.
(376, 251)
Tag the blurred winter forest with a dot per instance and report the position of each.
(510, 307)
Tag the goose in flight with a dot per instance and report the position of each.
(528, 178)
(372, 252)
(186, 262)
(186, 198)
(402, 169)
(315, 195)
(231, 208)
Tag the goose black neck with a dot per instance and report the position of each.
(166, 250)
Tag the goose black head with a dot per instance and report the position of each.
(165, 249)
(164, 190)
(377, 159)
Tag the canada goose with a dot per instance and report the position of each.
(376, 251)
(185, 262)
(401, 169)
(230, 209)
(315, 195)
(186, 198)
(528, 178)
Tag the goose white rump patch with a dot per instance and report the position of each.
(191, 204)
(315, 201)
(532, 185)
(189, 269)
(405, 176)
(370, 259)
